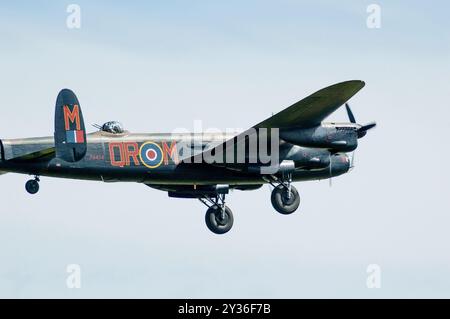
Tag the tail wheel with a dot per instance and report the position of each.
(284, 202)
(32, 186)
(219, 220)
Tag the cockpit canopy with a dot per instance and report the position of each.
(112, 127)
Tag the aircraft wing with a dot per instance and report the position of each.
(312, 110)
(309, 112)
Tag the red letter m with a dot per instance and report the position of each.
(72, 116)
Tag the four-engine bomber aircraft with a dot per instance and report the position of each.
(301, 148)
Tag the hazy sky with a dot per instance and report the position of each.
(157, 66)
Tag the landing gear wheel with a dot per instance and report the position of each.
(32, 186)
(283, 202)
(217, 221)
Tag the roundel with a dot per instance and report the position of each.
(151, 154)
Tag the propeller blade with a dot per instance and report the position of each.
(352, 161)
(367, 126)
(351, 117)
(363, 129)
(331, 173)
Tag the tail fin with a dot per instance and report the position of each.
(70, 133)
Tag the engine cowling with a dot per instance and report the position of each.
(341, 139)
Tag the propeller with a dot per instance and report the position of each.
(361, 131)
(352, 161)
(331, 173)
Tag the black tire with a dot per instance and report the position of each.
(282, 203)
(214, 222)
(32, 186)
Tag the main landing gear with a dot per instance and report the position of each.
(285, 198)
(32, 186)
(218, 218)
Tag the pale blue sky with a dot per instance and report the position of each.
(160, 65)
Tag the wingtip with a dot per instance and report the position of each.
(352, 86)
(360, 82)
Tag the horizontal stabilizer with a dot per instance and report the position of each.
(42, 154)
(28, 149)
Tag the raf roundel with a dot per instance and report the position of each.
(151, 154)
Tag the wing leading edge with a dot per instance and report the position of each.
(308, 112)
(313, 109)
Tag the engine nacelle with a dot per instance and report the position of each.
(341, 139)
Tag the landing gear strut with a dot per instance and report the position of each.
(285, 198)
(218, 218)
(32, 186)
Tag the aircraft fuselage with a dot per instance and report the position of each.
(154, 159)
